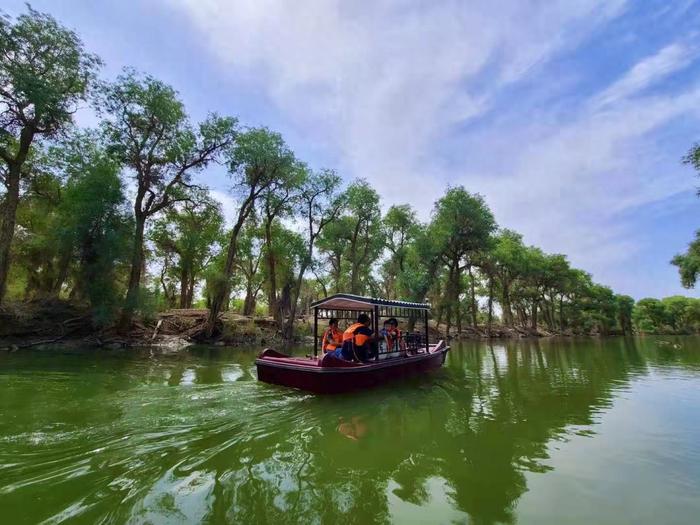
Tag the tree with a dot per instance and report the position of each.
(365, 240)
(333, 243)
(248, 263)
(277, 202)
(36, 247)
(186, 235)
(289, 251)
(650, 315)
(625, 309)
(462, 225)
(320, 204)
(259, 160)
(146, 128)
(44, 74)
(400, 230)
(508, 256)
(94, 227)
(689, 263)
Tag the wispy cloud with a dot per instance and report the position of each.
(416, 95)
(382, 80)
(649, 71)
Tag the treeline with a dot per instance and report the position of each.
(112, 217)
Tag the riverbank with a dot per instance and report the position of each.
(57, 322)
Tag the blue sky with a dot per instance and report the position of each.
(569, 117)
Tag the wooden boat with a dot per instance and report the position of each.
(330, 375)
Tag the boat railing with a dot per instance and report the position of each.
(410, 343)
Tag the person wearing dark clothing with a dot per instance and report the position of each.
(358, 341)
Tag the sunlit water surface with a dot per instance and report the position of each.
(530, 432)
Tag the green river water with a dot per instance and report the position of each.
(552, 432)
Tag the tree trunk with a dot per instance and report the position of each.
(354, 264)
(249, 302)
(9, 216)
(7, 231)
(505, 304)
(458, 316)
(449, 296)
(289, 328)
(355, 278)
(490, 319)
(533, 319)
(472, 293)
(190, 290)
(337, 273)
(561, 313)
(271, 272)
(184, 286)
(524, 319)
(63, 266)
(137, 261)
(221, 295)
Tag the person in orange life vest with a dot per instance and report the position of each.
(332, 337)
(358, 341)
(392, 335)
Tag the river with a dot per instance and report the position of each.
(585, 431)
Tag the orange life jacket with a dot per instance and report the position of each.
(350, 335)
(336, 336)
(393, 337)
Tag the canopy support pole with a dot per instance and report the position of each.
(315, 332)
(427, 345)
(376, 329)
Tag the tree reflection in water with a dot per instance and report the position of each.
(193, 437)
(480, 425)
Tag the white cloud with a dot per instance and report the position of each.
(382, 80)
(648, 71)
(391, 87)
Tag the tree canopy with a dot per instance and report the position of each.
(120, 217)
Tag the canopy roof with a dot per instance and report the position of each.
(346, 301)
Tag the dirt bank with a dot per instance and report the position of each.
(51, 322)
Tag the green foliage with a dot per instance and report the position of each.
(297, 234)
(185, 238)
(400, 230)
(625, 310)
(259, 160)
(45, 73)
(689, 263)
(146, 130)
(94, 229)
(674, 314)
(353, 245)
(36, 245)
(462, 223)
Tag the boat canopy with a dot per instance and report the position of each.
(357, 303)
(348, 306)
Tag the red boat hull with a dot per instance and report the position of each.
(328, 375)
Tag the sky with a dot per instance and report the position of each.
(569, 117)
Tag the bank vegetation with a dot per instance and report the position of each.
(115, 224)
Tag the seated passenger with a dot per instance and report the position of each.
(332, 337)
(392, 336)
(385, 339)
(358, 341)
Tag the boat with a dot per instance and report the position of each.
(328, 374)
